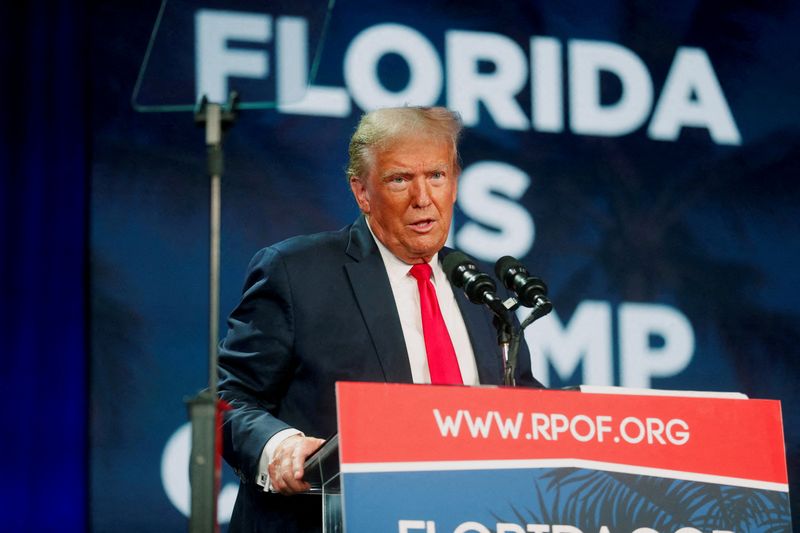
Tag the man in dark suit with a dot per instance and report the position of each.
(343, 306)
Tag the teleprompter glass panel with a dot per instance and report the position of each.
(266, 51)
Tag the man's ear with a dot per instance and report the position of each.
(360, 193)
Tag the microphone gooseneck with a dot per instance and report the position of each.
(462, 272)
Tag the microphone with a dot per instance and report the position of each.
(531, 291)
(464, 274)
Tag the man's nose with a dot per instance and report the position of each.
(420, 192)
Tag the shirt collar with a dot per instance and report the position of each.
(397, 269)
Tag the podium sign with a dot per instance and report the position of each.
(442, 459)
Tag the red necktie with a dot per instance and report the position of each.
(442, 360)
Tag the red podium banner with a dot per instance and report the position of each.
(538, 449)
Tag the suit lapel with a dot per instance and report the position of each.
(373, 292)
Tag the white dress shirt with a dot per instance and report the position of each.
(406, 298)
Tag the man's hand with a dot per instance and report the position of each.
(286, 469)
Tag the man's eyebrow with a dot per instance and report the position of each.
(396, 172)
(403, 171)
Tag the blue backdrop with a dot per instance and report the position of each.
(641, 159)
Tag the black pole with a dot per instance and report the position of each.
(203, 473)
(505, 339)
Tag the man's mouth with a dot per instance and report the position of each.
(423, 225)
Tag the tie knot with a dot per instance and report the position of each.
(421, 271)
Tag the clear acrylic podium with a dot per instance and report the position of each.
(322, 472)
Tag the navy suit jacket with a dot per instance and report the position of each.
(315, 310)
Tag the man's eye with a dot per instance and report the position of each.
(397, 179)
(437, 174)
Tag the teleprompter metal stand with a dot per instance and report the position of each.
(204, 472)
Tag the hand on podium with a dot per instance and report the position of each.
(286, 469)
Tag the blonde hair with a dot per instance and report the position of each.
(378, 129)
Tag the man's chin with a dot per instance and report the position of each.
(426, 249)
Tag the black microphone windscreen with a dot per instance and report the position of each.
(451, 262)
(504, 264)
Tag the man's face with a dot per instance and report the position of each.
(409, 196)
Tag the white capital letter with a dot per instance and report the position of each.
(175, 476)
(471, 526)
(639, 361)
(508, 528)
(692, 97)
(361, 67)
(587, 338)
(467, 86)
(215, 62)
(546, 85)
(295, 94)
(515, 231)
(587, 115)
(405, 526)
(561, 528)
